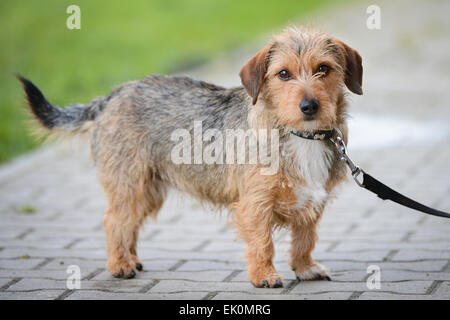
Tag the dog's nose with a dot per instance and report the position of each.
(309, 106)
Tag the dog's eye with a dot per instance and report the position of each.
(324, 70)
(284, 75)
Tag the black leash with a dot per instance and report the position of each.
(368, 182)
(386, 193)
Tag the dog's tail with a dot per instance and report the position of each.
(70, 119)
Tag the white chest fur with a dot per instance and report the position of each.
(312, 160)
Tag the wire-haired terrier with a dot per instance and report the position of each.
(295, 85)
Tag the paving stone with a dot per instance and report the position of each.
(38, 284)
(423, 266)
(288, 275)
(101, 295)
(8, 233)
(101, 244)
(4, 282)
(344, 276)
(407, 287)
(24, 263)
(356, 237)
(396, 275)
(372, 295)
(373, 255)
(63, 236)
(211, 265)
(415, 255)
(168, 275)
(240, 246)
(224, 246)
(443, 291)
(27, 245)
(35, 295)
(175, 237)
(352, 246)
(52, 253)
(86, 265)
(38, 274)
(125, 285)
(317, 296)
(429, 235)
(168, 286)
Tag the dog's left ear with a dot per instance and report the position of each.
(353, 66)
(253, 72)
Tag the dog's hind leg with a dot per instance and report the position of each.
(130, 202)
(154, 192)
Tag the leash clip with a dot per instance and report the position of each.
(375, 186)
(342, 149)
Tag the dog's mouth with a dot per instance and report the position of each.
(309, 118)
(313, 122)
(310, 124)
(312, 130)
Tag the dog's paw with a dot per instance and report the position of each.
(272, 281)
(316, 272)
(123, 270)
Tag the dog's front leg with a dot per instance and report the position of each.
(255, 227)
(304, 237)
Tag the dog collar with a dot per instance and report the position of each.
(315, 134)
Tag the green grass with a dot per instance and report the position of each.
(27, 209)
(118, 41)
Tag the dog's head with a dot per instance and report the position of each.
(301, 78)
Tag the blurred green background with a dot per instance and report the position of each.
(118, 41)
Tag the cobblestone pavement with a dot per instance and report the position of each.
(51, 205)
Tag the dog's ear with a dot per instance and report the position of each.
(253, 72)
(352, 63)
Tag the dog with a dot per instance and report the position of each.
(297, 83)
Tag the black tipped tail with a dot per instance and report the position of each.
(71, 118)
(41, 108)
